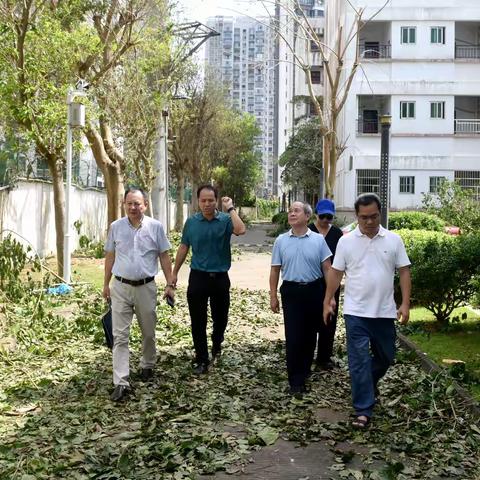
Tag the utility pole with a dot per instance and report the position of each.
(75, 119)
(385, 122)
(193, 35)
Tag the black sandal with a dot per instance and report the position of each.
(361, 423)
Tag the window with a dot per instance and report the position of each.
(316, 75)
(407, 109)
(437, 35)
(435, 183)
(408, 34)
(470, 181)
(407, 184)
(368, 181)
(437, 109)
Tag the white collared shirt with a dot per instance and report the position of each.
(136, 249)
(369, 265)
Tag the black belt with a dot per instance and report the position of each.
(209, 274)
(135, 283)
(303, 284)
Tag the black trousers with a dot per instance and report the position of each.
(302, 305)
(204, 286)
(326, 334)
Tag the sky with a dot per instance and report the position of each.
(201, 9)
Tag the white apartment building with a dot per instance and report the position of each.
(292, 95)
(420, 63)
(242, 59)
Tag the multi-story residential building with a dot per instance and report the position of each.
(242, 59)
(292, 94)
(420, 63)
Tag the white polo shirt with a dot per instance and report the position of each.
(369, 265)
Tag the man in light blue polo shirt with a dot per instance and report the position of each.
(303, 257)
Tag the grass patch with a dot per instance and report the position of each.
(460, 342)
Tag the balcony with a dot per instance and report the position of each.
(367, 127)
(375, 40)
(370, 107)
(467, 51)
(467, 45)
(467, 127)
(467, 115)
(375, 50)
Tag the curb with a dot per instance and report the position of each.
(429, 366)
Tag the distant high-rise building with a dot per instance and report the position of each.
(242, 59)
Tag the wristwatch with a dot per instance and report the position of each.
(230, 209)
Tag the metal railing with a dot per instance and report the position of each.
(471, 126)
(367, 126)
(375, 51)
(467, 51)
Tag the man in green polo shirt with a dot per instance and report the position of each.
(208, 233)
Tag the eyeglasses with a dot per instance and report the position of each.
(366, 218)
(324, 216)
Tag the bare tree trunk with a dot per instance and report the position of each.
(179, 200)
(194, 201)
(112, 173)
(56, 171)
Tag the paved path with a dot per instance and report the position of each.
(256, 236)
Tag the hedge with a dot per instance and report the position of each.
(445, 269)
(415, 221)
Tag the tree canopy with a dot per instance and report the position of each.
(302, 159)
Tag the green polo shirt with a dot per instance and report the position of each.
(210, 242)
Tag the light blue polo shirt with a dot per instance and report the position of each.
(300, 258)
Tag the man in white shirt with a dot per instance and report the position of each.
(369, 257)
(134, 246)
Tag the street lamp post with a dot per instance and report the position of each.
(385, 122)
(75, 119)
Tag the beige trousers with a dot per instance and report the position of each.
(127, 300)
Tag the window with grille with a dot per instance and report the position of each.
(437, 109)
(437, 35)
(316, 74)
(469, 180)
(408, 35)
(435, 183)
(407, 184)
(407, 109)
(368, 181)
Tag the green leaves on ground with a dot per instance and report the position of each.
(56, 420)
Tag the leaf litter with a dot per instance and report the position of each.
(56, 419)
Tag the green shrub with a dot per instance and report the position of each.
(266, 208)
(415, 221)
(454, 204)
(281, 220)
(444, 269)
(475, 301)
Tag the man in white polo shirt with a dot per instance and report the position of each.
(369, 257)
(303, 257)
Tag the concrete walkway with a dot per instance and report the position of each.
(284, 460)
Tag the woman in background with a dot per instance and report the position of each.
(325, 212)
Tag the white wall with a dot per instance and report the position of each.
(27, 209)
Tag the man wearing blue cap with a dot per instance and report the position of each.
(325, 210)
